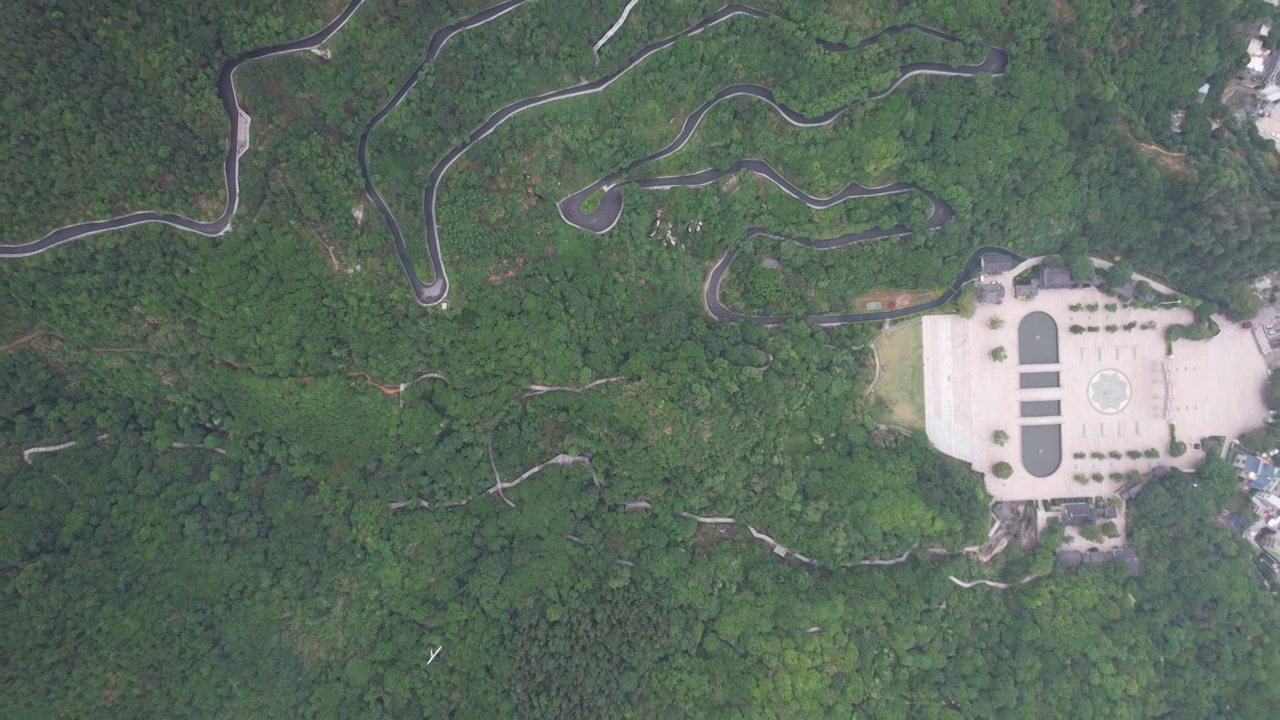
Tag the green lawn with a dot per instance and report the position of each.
(901, 383)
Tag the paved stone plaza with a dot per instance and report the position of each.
(1114, 391)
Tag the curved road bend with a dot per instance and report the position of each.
(605, 216)
(231, 164)
(435, 292)
(888, 32)
(711, 295)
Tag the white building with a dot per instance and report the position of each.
(1265, 503)
(1257, 56)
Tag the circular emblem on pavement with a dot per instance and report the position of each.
(1109, 391)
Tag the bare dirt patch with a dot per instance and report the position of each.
(501, 271)
(1169, 159)
(206, 204)
(891, 299)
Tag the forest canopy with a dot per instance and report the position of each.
(248, 475)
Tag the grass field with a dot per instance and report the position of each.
(901, 383)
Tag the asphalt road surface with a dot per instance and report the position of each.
(605, 215)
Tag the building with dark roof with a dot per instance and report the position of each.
(1076, 558)
(995, 264)
(990, 293)
(1256, 470)
(1055, 278)
(1130, 558)
(1080, 513)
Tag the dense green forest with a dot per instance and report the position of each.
(247, 409)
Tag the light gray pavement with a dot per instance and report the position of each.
(1205, 388)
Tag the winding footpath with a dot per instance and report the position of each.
(609, 208)
(237, 143)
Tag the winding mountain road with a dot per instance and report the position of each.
(605, 215)
(237, 143)
(435, 292)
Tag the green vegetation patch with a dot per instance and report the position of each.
(901, 384)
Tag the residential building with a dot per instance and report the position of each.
(1257, 57)
(1266, 504)
(1258, 471)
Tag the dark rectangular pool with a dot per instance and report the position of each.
(1038, 380)
(1041, 449)
(1037, 340)
(1041, 408)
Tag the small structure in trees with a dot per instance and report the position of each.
(1079, 514)
(996, 264)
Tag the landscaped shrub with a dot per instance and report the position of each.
(1110, 530)
(1112, 307)
(1097, 455)
(1151, 453)
(1081, 478)
(1097, 477)
(1133, 454)
(1076, 307)
(1091, 533)
(1077, 329)
(1116, 476)
(1112, 328)
(1079, 456)
(1177, 448)
(1115, 455)
(1094, 328)
(1129, 326)
(1091, 307)
(1149, 325)
(1002, 470)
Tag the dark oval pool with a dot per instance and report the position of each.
(1038, 340)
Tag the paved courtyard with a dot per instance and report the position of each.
(1115, 391)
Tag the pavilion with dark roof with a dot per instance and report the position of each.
(995, 264)
(1080, 513)
(1055, 278)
